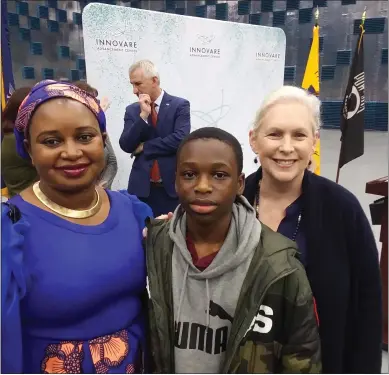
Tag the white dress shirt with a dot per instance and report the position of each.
(157, 102)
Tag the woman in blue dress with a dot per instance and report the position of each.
(73, 268)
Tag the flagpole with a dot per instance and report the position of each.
(338, 170)
(340, 153)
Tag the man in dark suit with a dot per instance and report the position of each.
(153, 130)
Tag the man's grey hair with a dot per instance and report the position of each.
(148, 67)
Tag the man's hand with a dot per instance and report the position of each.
(138, 150)
(145, 106)
(162, 217)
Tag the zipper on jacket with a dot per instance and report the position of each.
(164, 362)
(245, 326)
(150, 241)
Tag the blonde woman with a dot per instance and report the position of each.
(334, 237)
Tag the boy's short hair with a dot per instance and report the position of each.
(220, 135)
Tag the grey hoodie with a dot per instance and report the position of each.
(205, 302)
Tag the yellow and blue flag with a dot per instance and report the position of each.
(7, 79)
(311, 82)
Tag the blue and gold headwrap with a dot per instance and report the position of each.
(47, 90)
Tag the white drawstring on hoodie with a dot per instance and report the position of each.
(182, 295)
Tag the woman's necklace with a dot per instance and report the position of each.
(257, 213)
(63, 211)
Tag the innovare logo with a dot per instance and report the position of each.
(116, 45)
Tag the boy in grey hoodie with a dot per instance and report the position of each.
(226, 293)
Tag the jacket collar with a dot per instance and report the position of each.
(164, 107)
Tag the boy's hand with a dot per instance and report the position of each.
(162, 217)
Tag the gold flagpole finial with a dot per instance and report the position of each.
(364, 16)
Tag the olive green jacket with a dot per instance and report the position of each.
(18, 173)
(275, 327)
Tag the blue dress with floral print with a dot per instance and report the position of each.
(72, 294)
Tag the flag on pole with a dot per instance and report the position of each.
(7, 79)
(311, 82)
(353, 111)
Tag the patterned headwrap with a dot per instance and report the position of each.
(46, 90)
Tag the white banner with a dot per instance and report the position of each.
(224, 69)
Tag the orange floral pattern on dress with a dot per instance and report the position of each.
(109, 351)
(106, 351)
(63, 358)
